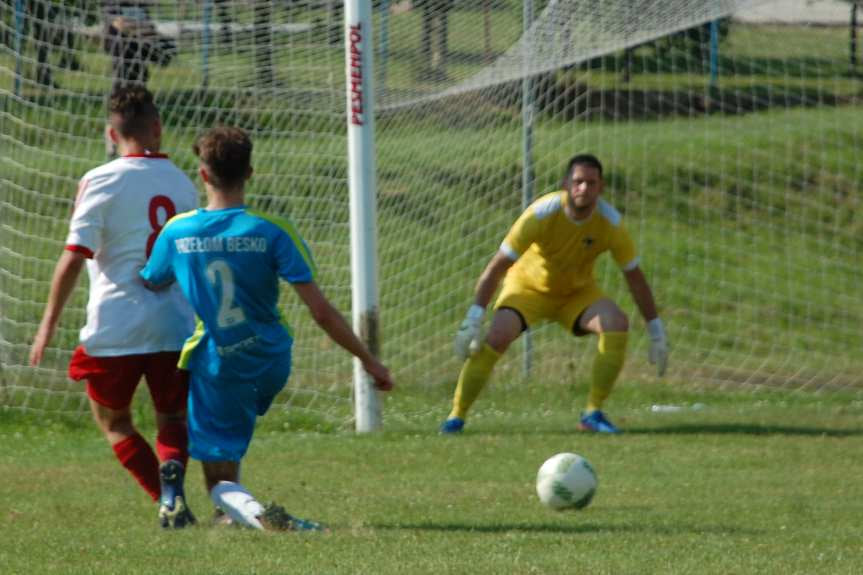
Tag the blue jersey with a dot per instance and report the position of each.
(228, 264)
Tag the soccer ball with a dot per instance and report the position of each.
(566, 481)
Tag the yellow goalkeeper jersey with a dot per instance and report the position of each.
(555, 255)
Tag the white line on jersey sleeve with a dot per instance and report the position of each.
(609, 212)
(631, 265)
(547, 207)
(506, 250)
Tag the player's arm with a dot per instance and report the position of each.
(158, 273)
(641, 293)
(296, 266)
(66, 274)
(521, 236)
(623, 251)
(82, 241)
(491, 277)
(335, 326)
(643, 297)
(467, 337)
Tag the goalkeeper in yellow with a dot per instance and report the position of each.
(546, 264)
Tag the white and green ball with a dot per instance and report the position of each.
(566, 481)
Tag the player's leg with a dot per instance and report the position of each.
(221, 421)
(605, 319)
(111, 383)
(237, 503)
(131, 449)
(169, 392)
(506, 325)
(231, 498)
(516, 309)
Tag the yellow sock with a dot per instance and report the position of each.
(611, 352)
(473, 377)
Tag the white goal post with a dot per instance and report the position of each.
(360, 115)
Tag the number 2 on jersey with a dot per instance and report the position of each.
(219, 273)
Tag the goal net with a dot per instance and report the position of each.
(729, 131)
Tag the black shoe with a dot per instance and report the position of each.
(174, 513)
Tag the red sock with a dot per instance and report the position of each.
(136, 455)
(172, 442)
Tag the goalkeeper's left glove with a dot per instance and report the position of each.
(658, 352)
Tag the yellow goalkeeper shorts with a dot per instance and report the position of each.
(535, 307)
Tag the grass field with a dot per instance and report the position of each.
(764, 484)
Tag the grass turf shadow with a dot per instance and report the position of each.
(742, 429)
(581, 527)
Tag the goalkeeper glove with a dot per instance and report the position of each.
(658, 352)
(467, 338)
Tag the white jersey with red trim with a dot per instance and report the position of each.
(120, 208)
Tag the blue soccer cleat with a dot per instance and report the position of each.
(173, 511)
(596, 421)
(452, 425)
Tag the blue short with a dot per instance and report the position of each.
(222, 413)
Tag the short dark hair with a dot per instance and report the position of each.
(227, 153)
(580, 160)
(134, 109)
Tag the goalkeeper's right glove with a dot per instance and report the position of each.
(467, 339)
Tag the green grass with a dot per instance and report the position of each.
(762, 484)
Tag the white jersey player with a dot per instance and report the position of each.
(131, 332)
(120, 209)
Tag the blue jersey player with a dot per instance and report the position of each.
(227, 259)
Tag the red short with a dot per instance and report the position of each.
(111, 381)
